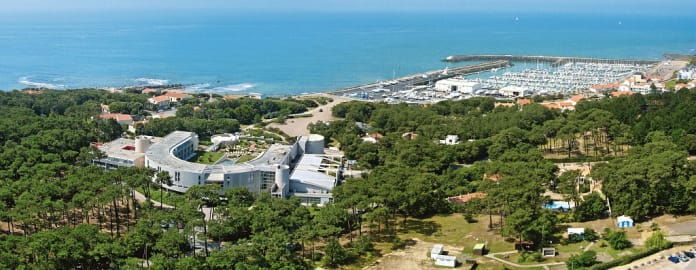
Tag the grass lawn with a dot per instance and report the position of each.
(454, 230)
(670, 84)
(246, 158)
(170, 198)
(206, 157)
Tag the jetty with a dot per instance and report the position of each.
(400, 83)
(554, 61)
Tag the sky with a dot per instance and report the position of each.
(556, 6)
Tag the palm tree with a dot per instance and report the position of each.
(162, 179)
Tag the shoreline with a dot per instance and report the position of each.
(664, 67)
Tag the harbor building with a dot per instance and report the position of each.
(457, 85)
(301, 169)
(514, 91)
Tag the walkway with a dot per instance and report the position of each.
(141, 199)
(543, 265)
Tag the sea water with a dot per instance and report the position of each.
(281, 54)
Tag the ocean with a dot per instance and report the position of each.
(279, 54)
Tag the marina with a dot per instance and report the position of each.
(570, 77)
(499, 79)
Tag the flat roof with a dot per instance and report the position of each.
(308, 171)
(121, 148)
(161, 152)
(437, 248)
(445, 258)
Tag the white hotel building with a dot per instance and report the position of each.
(301, 169)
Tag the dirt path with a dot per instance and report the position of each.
(543, 265)
(141, 199)
(298, 126)
(413, 257)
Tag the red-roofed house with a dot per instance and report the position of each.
(577, 98)
(160, 102)
(566, 105)
(176, 96)
(123, 119)
(621, 93)
(551, 105)
(605, 87)
(462, 199)
(524, 101)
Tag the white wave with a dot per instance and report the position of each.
(152, 82)
(26, 81)
(235, 87)
(197, 88)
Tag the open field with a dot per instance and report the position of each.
(459, 237)
(298, 126)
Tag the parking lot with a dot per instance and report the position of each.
(658, 261)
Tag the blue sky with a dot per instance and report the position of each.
(604, 6)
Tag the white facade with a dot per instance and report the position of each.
(457, 85)
(624, 222)
(687, 74)
(224, 139)
(444, 260)
(579, 231)
(269, 172)
(514, 91)
(436, 251)
(450, 140)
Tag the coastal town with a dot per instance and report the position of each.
(348, 135)
(295, 157)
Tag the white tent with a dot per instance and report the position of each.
(436, 251)
(444, 260)
(624, 222)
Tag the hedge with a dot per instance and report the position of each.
(625, 259)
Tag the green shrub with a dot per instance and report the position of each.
(397, 243)
(617, 239)
(585, 259)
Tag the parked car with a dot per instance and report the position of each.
(689, 254)
(683, 257)
(673, 259)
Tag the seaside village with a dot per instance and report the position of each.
(243, 156)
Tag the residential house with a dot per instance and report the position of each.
(123, 119)
(160, 102)
(621, 93)
(176, 96)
